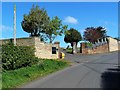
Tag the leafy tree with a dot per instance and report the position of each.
(54, 28)
(38, 23)
(72, 36)
(35, 22)
(92, 34)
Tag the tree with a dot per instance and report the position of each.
(92, 34)
(35, 22)
(72, 36)
(38, 23)
(54, 28)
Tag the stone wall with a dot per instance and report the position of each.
(42, 49)
(20, 41)
(98, 49)
(119, 45)
(103, 45)
(113, 44)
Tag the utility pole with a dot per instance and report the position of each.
(15, 25)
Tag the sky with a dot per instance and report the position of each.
(78, 15)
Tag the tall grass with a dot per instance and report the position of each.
(15, 78)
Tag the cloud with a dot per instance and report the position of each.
(4, 28)
(70, 20)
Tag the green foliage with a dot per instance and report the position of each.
(88, 44)
(20, 76)
(92, 34)
(69, 50)
(72, 36)
(55, 28)
(50, 64)
(36, 21)
(14, 57)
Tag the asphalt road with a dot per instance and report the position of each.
(88, 71)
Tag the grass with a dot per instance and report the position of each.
(0, 81)
(0, 70)
(69, 50)
(16, 78)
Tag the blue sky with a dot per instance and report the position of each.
(77, 15)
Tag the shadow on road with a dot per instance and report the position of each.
(111, 78)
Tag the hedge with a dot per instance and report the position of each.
(14, 57)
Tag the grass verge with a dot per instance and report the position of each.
(16, 78)
(69, 50)
(0, 80)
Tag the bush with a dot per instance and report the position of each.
(87, 44)
(14, 57)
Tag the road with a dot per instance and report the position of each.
(88, 71)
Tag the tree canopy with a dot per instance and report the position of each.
(36, 21)
(72, 36)
(92, 34)
(55, 28)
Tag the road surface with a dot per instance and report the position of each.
(88, 71)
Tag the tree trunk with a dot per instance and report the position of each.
(72, 47)
(50, 41)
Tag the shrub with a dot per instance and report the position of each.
(14, 57)
(87, 44)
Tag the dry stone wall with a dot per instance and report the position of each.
(42, 49)
(113, 44)
(20, 41)
(109, 45)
